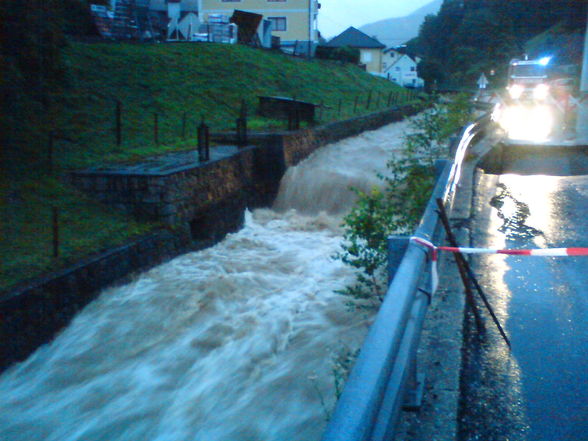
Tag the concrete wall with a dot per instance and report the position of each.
(202, 202)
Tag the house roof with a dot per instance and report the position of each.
(403, 56)
(355, 38)
(392, 49)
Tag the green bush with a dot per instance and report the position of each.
(345, 54)
(398, 207)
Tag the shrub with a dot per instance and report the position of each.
(344, 54)
(398, 207)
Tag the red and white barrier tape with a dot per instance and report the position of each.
(545, 252)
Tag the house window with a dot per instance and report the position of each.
(397, 68)
(412, 68)
(366, 57)
(279, 23)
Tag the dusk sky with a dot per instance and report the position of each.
(337, 15)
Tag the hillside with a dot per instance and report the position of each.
(178, 82)
(397, 31)
(564, 45)
(203, 81)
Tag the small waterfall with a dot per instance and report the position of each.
(323, 182)
(238, 342)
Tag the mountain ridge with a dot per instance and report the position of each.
(398, 30)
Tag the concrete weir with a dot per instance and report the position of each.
(197, 202)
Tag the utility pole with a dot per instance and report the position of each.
(584, 81)
(582, 120)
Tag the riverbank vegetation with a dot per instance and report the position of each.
(398, 205)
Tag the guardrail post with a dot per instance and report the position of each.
(440, 165)
(415, 385)
(397, 246)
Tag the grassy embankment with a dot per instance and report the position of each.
(203, 80)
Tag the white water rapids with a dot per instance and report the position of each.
(233, 343)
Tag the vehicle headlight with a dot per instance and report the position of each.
(515, 91)
(527, 123)
(541, 91)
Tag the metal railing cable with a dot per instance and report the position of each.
(385, 373)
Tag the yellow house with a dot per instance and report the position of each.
(294, 21)
(370, 49)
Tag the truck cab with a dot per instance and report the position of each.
(528, 79)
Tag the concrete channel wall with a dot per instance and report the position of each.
(198, 202)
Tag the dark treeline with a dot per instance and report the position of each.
(468, 37)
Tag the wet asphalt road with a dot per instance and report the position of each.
(539, 390)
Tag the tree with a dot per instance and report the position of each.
(431, 72)
(467, 37)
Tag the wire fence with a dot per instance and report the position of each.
(117, 125)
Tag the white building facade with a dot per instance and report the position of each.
(401, 69)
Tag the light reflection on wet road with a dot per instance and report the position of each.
(539, 391)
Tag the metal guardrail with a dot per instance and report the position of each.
(384, 378)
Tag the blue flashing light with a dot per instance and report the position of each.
(544, 61)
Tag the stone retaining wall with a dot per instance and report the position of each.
(31, 314)
(298, 145)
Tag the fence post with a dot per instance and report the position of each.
(55, 225)
(156, 128)
(369, 100)
(339, 108)
(321, 110)
(242, 125)
(118, 122)
(294, 115)
(50, 151)
(184, 117)
(203, 142)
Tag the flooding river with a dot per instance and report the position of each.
(239, 342)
